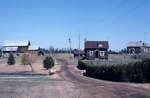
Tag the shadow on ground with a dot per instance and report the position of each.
(22, 73)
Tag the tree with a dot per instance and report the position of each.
(123, 50)
(0, 53)
(28, 59)
(11, 59)
(48, 63)
(25, 59)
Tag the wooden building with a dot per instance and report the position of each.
(33, 49)
(15, 46)
(96, 49)
(138, 47)
(76, 53)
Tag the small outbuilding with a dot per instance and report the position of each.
(76, 53)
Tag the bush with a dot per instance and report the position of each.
(40, 53)
(48, 63)
(134, 72)
(25, 59)
(28, 59)
(146, 70)
(112, 73)
(11, 59)
(83, 57)
(0, 53)
(81, 65)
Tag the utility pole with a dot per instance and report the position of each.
(51, 51)
(70, 45)
(79, 46)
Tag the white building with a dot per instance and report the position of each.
(138, 47)
(15, 46)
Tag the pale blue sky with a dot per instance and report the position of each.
(48, 22)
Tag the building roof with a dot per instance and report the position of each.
(9, 49)
(97, 44)
(33, 48)
(76, 51)
(16, 43)
(138, 44)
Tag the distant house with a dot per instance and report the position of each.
(96, 49)
(138, 47)
(76, 52)
(15, 46)
(33, 49)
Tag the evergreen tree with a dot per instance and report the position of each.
(48, 63)
(11, 59)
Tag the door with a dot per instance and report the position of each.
(97, 54)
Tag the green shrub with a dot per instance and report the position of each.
(113, 73)
(48, 63)
(134, 72)
(0, 53)
(11, 59)
(81, 65)
(146, 70)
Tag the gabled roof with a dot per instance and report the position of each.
(138, 44)
(16, 43)
(97, 44)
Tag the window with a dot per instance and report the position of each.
(91, 53)
(102, 53)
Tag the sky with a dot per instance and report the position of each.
(50, 22)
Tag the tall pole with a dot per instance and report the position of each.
(79, 46)
(70, 45)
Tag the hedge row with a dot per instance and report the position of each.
(134, 72)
